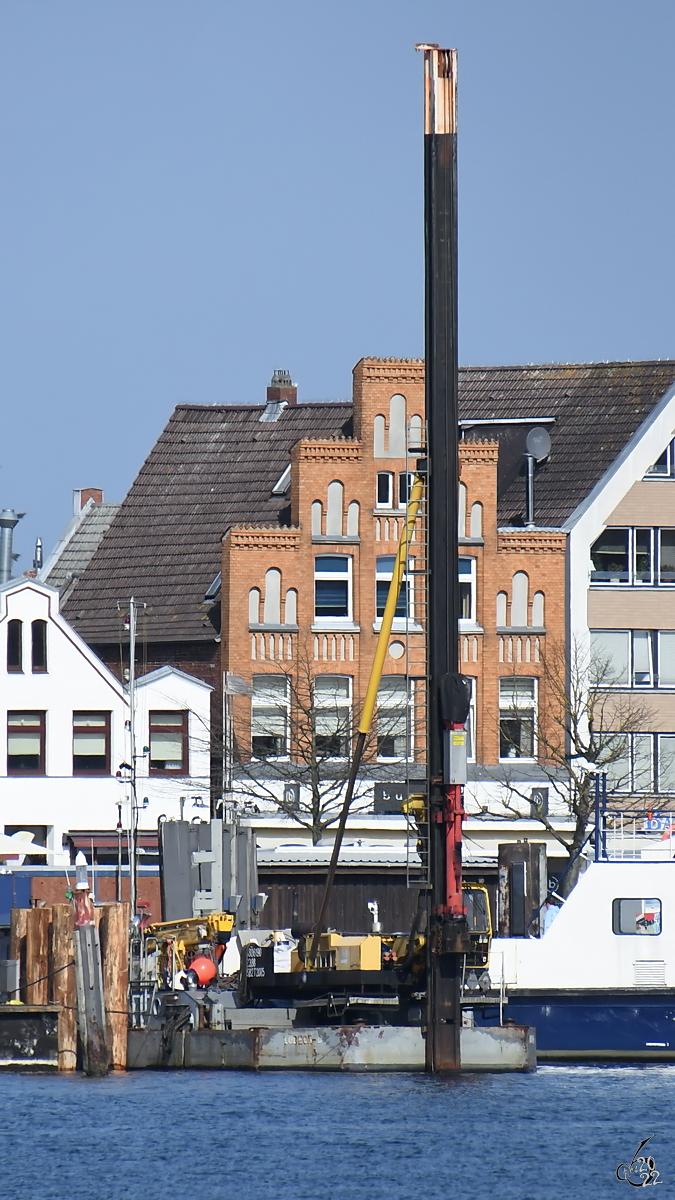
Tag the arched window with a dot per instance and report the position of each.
(538, 609)
(519, 599)
(476, 520)
(415, 436)
(291, 607)
(39, 646)
(461, 511)
(334, 509)
(397, 447)
(254, 606)
(384, 497)
(353, 519)
(378, 436)
(501, 609)
(272, 608)
(15, 646)
(317, 515)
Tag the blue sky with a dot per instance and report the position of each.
(196, 192)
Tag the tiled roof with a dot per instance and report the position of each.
(76, 548)
(597, 408)
(213, 466)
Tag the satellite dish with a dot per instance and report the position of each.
(538, 443)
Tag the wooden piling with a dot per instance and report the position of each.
(63, 989)
(37, 955)
(17, 946)
(114, 930)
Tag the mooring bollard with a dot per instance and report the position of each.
(91, 1014)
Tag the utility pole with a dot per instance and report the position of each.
(133, 808)
(447, 706)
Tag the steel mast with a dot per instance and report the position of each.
(448, 695)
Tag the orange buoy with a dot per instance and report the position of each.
(204, 968)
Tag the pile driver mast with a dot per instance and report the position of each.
(448, 696)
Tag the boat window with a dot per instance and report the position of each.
(636, 916)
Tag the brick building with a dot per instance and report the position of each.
(307, 599)
(298, 506)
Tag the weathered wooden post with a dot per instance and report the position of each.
(114, 929)
(37, 955)
(64, 991)
(17, 946)
(89, 977)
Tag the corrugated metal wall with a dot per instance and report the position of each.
(297, 896)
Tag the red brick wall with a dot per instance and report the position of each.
(249, 551)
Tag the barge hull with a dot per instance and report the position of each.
(325, 1048)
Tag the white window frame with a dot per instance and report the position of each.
(654, 535)
(406, 704)
(660, 633)
(325, 622)
(389, 502)
(283, 705)
(468, 622)
(410, 477)
(669, 472)
(399, 624)
(333, 705)
(524, 708)
(658, 745)
(667, 583)
(470, 723)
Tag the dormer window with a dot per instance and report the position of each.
(664, 467)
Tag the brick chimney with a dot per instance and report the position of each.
(82, 495)
(282, 388)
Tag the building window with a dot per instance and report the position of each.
(384, 570)
(664, 467)
(332, 715)
(636, 916)
(666, 555)
(641, 557)
(405, 482)
(394, 717)
(470, 723)
(25, 743)
(169, 743)
(38, 632)
(666, 658)
(517, 716)
(270, 716)
(640, 762)
(333, 588)
(91, 743)
(467, 589)
(385, 489)
(633, 658)
(15, 646)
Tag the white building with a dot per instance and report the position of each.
(65, 742)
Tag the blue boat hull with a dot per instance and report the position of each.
(629, 1025)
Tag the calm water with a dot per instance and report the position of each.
(560, 1133)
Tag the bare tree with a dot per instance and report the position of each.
(580, 727)
(292, 747)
